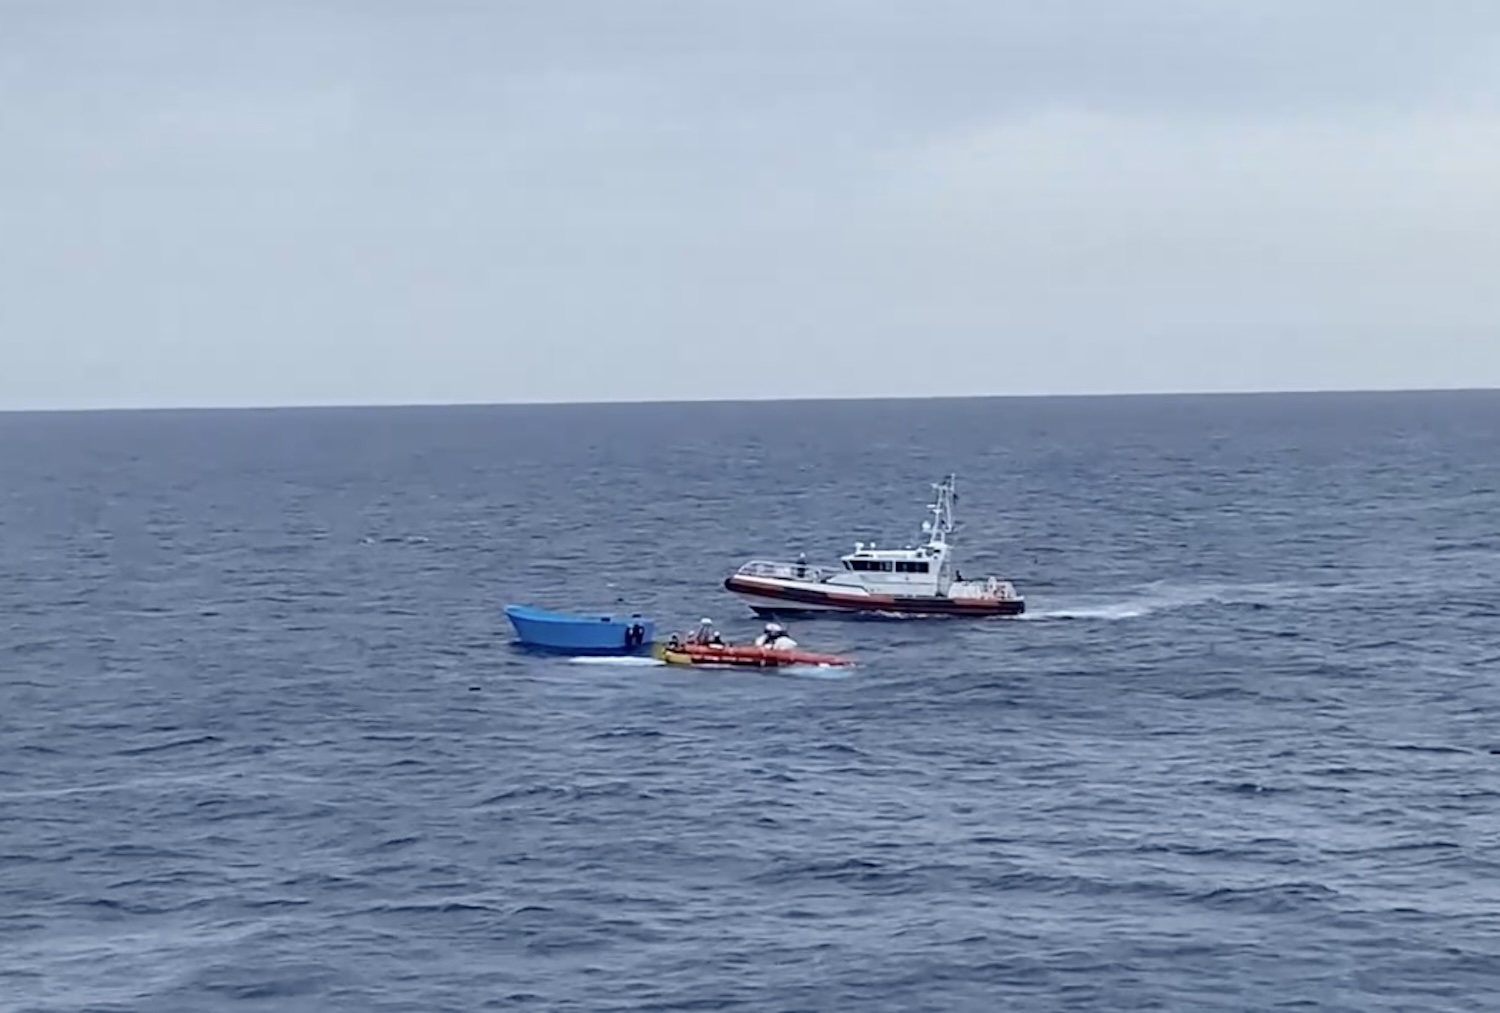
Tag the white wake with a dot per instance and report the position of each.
(1164, 597)
(624, 661)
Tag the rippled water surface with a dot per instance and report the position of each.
(264, 743)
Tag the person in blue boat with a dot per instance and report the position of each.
(776, 638)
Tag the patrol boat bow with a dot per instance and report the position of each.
(914, 581)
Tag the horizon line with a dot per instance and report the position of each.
(765, 399)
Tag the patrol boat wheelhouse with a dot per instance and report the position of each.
(920, 580)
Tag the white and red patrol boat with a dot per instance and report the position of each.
(913, 581)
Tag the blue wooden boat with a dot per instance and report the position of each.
(580, 634)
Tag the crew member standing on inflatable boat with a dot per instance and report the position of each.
(705, 635)
(775, 638)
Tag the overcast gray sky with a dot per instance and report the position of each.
(310, 201)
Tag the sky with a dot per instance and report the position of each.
(365, 202)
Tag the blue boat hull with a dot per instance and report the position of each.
(580, 634)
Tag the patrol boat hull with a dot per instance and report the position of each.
(770, 598)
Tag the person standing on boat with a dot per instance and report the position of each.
(776, 638)
(705, 634)
(801, 566)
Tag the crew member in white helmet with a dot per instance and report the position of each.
(775, 637)
(705, 634)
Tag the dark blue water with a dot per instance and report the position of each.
(264, 744)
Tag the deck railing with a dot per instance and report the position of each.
(785, 571)
(987, 588)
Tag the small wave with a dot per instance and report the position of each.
(1273, 898)
(627, 733)
(273, 983)
(444, 907)
(395, 843)
(825, 869)
(196, 740)
(524, 792)
(1422, 747)
(275, 903)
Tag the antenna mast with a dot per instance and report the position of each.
(942, 524)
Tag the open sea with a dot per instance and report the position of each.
(265, 744)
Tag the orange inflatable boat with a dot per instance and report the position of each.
(736, 656)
